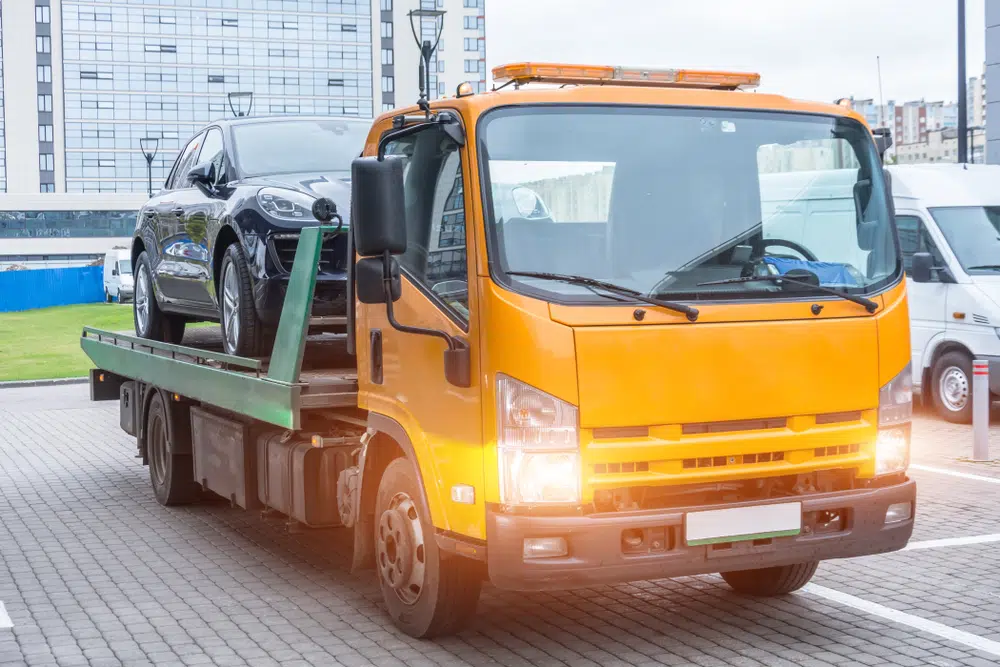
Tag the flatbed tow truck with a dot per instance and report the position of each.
(570, 357)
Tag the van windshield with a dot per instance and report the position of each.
(972, 233)
(662, 200)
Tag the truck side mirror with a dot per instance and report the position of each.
(920, 269)
(369, 276)
(379, 209)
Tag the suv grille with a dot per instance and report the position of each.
(332, 256)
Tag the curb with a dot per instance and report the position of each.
(17, 384)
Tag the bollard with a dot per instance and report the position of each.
(980, 410)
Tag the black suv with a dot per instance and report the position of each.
(217, 243)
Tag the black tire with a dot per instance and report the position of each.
(107, 296)
(450, 585)
(250, 334)
(156, 325)
(953, 369)
(172, 475)
(771, 581)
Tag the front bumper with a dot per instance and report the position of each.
(596, 554)
(329, 299)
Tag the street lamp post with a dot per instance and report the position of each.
(236, 103)
(149, 146)
(426, 48)
(972, 141)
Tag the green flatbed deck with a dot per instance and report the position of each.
(276, 390)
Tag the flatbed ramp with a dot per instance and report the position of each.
(198, 371)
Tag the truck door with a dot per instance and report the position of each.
(401, 375)
(928, 301)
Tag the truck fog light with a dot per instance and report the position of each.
(898, 512)
(545, 547)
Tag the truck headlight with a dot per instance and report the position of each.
(538, 446)
(286, 204)
(895, 408)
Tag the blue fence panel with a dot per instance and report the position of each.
(41, 288)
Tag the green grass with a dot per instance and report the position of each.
(45, 343)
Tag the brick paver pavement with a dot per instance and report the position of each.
(94, 572)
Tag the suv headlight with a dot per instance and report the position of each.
(895, 408)
(286, 204)
(538, 446)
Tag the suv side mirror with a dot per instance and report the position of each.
(202, 174)
(920, 269)
(379, 211)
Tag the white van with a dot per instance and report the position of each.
(948, 217)
(118, 285)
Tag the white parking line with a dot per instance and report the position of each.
(5, 621)
(955, 473)
(953, 542)
(901, 617)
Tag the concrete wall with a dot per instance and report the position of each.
(993, 81)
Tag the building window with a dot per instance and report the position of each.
(440, 66)
(45, 103)
(472, 66)
(386, 56)
(472, 44)
(42, 14)
(348, 27)
(335, 83)
(387, 107)
(216, 78)
(43, 44)
(386, 5)
(282, 25)
(161, 48)
(45, 133)
(46, 161)
(386, 30)
(44, 73)
(388, 85)
(47, 187)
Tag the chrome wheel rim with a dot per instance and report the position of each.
(400, 552)
(141, 300)
(231, 308)
(953, 388)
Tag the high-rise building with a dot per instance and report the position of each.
(90, 78)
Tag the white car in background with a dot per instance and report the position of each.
(118, 284)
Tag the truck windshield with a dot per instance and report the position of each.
(972, 234)
(659, 200)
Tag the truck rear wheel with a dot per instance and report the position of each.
(172, 475)
(428, 593)
(771, 581)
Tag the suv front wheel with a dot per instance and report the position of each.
(243, 334)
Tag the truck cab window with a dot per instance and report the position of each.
(435, 258)
(913, 238)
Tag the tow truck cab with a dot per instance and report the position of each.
(601, 436)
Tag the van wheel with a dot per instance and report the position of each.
(428, 593)
(951, 387)
(107, 296)
(243, 333)
(150, 321)
(771, 581)
(172, 475)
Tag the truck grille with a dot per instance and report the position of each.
(332, 257)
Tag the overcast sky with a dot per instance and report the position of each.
(809, 49)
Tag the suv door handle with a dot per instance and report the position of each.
(177, 210)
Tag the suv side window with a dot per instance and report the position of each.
(178, 177)
(913, 238)
(213, 151)
(434, 192)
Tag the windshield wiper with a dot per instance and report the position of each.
(869, 305)
(692, 313)
(984, 267)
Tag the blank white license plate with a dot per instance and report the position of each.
(743, 523)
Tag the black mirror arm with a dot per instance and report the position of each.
(446, 121)
(387, 287)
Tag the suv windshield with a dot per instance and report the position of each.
(972, 234)
(289, 146)
(662, 200)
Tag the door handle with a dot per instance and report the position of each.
(149, 213)
(177, 210)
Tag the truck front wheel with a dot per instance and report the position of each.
(428, 593)
(172, 475)
(771, 581)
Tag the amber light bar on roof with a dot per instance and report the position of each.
(624, 76)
